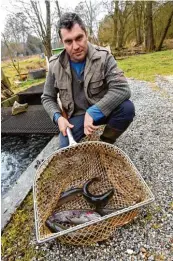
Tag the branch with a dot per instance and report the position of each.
(41, 18)
(59, 11)
(35, 8)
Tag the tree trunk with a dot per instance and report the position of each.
(124, 13)
(165, 32)
(137, 22)
(120, 36)
(59, 11)
(149, 36)
(48, 31)
(120, 31)
(143, 23)
(115, 28)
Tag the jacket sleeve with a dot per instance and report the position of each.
(118, 88)
(49, 96)
(95, 113)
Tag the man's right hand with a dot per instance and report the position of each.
(63, 124)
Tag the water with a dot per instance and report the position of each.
(17, 153)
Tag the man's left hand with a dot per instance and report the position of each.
(89, 128)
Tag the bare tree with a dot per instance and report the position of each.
(88, 11)
(90, 16)
(55, 35)
(139, 22)
(32, 10)
(120, 15)
(149, 36)
(16, 29)
(124, 12)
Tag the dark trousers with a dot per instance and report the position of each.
(119, 119)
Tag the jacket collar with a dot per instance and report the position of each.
(92, 52)
(63, 59)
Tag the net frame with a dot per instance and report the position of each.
(102, 227)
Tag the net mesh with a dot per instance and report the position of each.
(72, 167)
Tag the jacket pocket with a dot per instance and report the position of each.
(96, 84)
(63, 92)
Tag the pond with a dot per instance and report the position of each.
(17, 153)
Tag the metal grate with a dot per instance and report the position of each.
(34, 121)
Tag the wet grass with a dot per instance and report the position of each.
(147, 66)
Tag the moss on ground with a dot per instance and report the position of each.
(16, 237)
(147, 66)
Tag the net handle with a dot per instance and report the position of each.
(69, 132)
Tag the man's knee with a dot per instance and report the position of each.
(122, 116)
(128, 110)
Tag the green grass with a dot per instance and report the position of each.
(26, 64)
(147, 66)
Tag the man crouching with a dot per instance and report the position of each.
(92, 90)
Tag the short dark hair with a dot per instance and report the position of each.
(68, 20)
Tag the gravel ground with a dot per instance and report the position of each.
(165, 83)
(149, 144)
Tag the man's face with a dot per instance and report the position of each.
(75, 42)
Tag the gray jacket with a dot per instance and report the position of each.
(104, 84)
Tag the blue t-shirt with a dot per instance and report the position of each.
(78, 67)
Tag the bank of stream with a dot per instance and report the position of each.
(17, 153)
